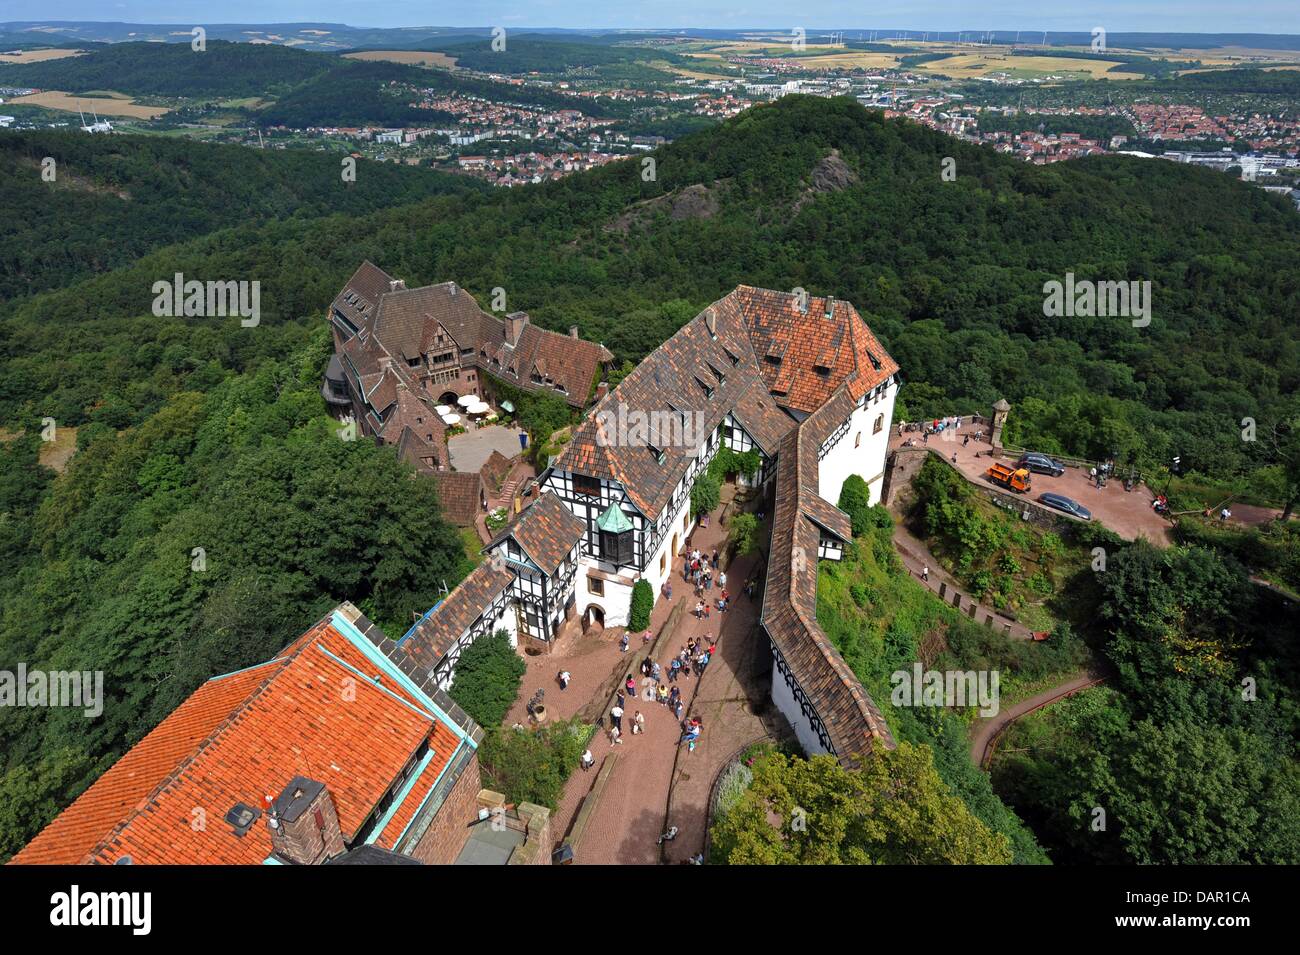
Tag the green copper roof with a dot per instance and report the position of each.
(614, 520)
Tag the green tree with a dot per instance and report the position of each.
(894, 810)
(488, 674)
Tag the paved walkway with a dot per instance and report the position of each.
(470, 451)
(731, 698)
(1127, 513)
(984, 733)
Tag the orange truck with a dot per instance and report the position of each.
(1013, 479)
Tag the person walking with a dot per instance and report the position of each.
(615, 736)
(662, 694)
(722, 579)
(638, 724)
(655, 671)
(588, 761)
(563, 678)
(616, 717)
(629, 685)
(674, 670)
(925, 572)
(622, 644)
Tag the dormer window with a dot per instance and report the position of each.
(773, 360)
(821, 371)
(706, 388)
(734, 359)
(718, 375)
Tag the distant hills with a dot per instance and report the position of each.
(949, 274)
(309, 88)
(336, 37)
(116, 198)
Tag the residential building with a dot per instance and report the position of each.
(799, 380)
(399, 353)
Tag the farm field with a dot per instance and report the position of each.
(982, 64)
(37, 56)
(407, 57)
(114, 105)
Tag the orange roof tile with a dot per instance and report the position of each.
(324, 709)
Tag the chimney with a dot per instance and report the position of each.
(396, 285)
(830, 307)
(515, 323)
(451, 289)
(573, 331)
(303, 823)
(711, 322)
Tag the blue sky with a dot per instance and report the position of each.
(1190, 16)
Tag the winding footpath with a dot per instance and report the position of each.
(985, 733)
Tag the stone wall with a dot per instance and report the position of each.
(449, 831)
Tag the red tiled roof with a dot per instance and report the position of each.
(850, 717)
(404, 322)
(547, 531)
(322, 709)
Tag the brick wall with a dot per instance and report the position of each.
(447, 834)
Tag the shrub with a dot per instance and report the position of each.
(487, 680)
(532, 765)
(855, 501)
(706, 493)
(744, 533)
(496, 519)
(643, 602)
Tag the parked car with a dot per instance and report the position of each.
(1041, 464)
(1067, 504)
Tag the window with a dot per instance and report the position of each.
(588, 486)
(857, 439)
(686, 520)
(773, 360)
(413, 362)
(596, 586)
(663, 562)
(880, 423)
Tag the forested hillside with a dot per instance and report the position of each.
(115, 198)
(298, 88)
(200, 433)
(950, 274)
(175, 69)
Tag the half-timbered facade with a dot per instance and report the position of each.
(802, 382)
(525, 587)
